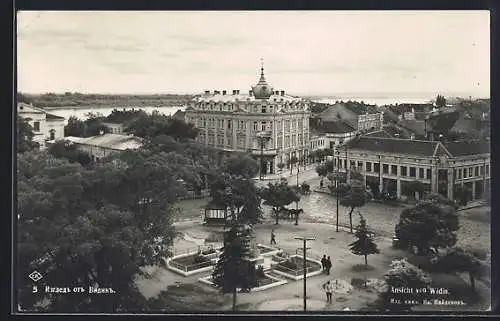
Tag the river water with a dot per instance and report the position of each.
(81, 112)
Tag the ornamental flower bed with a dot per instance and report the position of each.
(294, 266)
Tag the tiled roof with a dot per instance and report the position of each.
(406, 108)
(469, 147)
(360, 109)
(394, 146)
(50, 116)
(112, 141)
(379, 134)
(415, 126)
(336, 127)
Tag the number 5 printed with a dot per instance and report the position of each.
(35, 289)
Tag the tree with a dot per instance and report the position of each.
(75, 127)
(93, 125)
(364, 245)
(292, 161)
(149, 126)
(457, 259)
(440, 101)
(241, 165)
(75, 229)
(430, 225)
(63, 149)
(322, 171)
(402, 275)
(240, 195)
(232, 270)
(279, 195)
(25, 135)
(355, 195)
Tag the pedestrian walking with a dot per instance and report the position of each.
(328, 265)
(323, 263)
(328, 287)
(273, 237)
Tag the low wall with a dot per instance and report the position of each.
(301, 276)
(186, 273)
(207, 280)
(270, 253)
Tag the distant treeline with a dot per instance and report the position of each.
(78, 99)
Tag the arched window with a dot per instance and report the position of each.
(52, 134)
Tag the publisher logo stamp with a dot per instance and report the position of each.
(35, 276)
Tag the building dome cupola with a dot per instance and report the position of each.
(262, 90)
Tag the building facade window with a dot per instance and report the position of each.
(404, 171)
(368, 166)
(376, 167)
(470, 172)
(385, 168)
(487, 169)
(413, 172)
(421, 173)
(428, 173)
(459, 173)
(229, 124)
(482, 170)
(394, 169)
(263, 126)
(36, 126)
(476, 171)
(255, 126)
(360, 165)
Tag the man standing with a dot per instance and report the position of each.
(328, 265)
(328, 290)
(323, 263)
(273, 237)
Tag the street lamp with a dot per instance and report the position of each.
(305, 239)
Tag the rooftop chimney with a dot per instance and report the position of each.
(237, 92)
(207, 92)
(224, 92)
(216, 92)
(234, 92)
(282, 93)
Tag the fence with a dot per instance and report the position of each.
(194, 250)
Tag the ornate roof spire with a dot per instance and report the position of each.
(262, 90)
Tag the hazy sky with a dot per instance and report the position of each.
(308, 52)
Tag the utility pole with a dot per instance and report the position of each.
(305, 239)
(337, 191)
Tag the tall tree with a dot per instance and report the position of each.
(149, 126)
(25, 135)
(232, 270)
(430, 225)
(241, 165)
(74, 228)
(322, 171)
(440, 101)
(364, 245)
(354, 196)
(277, 195)
(457, 259)
(75, 127)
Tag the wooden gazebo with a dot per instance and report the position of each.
(216, 213)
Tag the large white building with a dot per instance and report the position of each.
(264, 122)
(106, 144)
(46, 127)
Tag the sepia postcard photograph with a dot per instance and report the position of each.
(182, 162)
